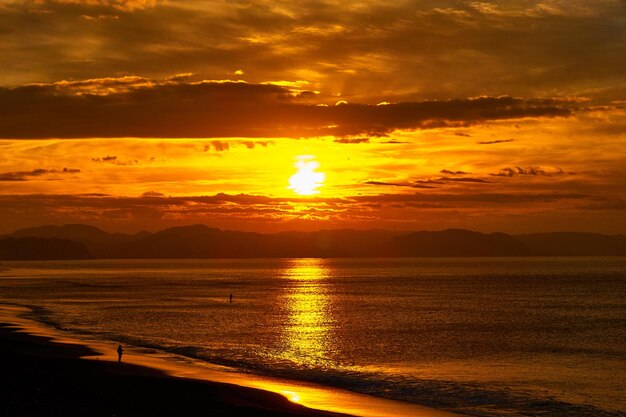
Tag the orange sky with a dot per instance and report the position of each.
(492, 116)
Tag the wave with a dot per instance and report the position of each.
(464, 398)
(477, 400)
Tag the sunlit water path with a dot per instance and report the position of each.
(486, 337)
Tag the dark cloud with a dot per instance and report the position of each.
(356, 51)
(221, 146)
(492, 142)
(468, 198)
(429, 181)
(261, 213)
(432, 182)
(366, 51)
(154, 194)
(102, 203)
(26, 175)
(384, 183)
(530, 171)
(444, 180)
(217, 145)
(394, 184)
(153, 198)
(253, 144)
(448, 172)
(123, 5)
(105, 159)
(602, 204)
(422, 186)
(154, 206)
(352, 140)
(112, 159)
(168, 109)
(476, 180)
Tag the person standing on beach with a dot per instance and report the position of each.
(120, 351)
(231, 297)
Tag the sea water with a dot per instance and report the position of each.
(480, 336)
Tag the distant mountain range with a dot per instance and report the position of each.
(77, 241)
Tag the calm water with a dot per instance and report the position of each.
(485, 337)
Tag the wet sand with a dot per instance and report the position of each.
(46, 378)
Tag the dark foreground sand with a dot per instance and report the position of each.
(45, 378)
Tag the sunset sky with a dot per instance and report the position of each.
(264, 115)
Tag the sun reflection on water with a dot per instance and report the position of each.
(294, 397)
(309, 322)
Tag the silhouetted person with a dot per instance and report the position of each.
(231, 297)
(120, 351)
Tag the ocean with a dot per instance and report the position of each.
(477, 336)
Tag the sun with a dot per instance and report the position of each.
(306, 180)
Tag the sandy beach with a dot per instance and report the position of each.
(50, 378)
(53, 373)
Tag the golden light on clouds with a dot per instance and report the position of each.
(397, 115)
(307, 180)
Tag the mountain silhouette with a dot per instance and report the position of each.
(575, 244)
(78, 241)
(99, 243)
(458, 242)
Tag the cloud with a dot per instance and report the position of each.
(139, 107)
(476, 180)
(250, 144)
(153, 194)
(352, 140)
(280, 209)
(398, 211)
(221, 146)
(26, 175)
(218, 146)
(384, 183)
(543, 9)
(376, 52)
(492, 142)
(125, 5)
(444, 180)
(190, 203)
(105, 159)
(395, 184)
(112, 159)
(602, 204)
(448, 172)
(430, 181)
(529, 171)
(467, 198)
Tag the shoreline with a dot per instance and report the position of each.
(263, 394)
(49, 378)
